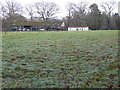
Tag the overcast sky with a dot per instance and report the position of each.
(62, 4)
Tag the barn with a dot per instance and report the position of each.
(78, 28)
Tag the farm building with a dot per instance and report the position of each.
(37, 26)
(78, 28)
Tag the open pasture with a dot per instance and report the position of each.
(79, 59)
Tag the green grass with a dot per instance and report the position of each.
(81, 59)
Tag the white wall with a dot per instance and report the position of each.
(78, 28)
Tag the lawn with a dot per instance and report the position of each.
(76, 59)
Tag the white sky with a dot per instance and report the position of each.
(62, 4)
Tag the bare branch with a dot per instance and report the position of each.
(46, 9)
(30, 10)
(108, 7)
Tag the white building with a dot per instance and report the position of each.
(78, 28)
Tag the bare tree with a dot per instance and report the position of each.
(3, 15)
(108, 7)
(9, 11)
(31, 11)
(46, 10)
(77, 12)
(13, 7)
(70, 9)
(2, 11)
(81, 9)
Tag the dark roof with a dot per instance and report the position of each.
(33, 23)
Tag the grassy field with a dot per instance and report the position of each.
(78, 59)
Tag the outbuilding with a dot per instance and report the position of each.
(78, 28)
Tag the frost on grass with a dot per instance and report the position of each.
(60, 59)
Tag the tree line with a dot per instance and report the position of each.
(80, 14)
